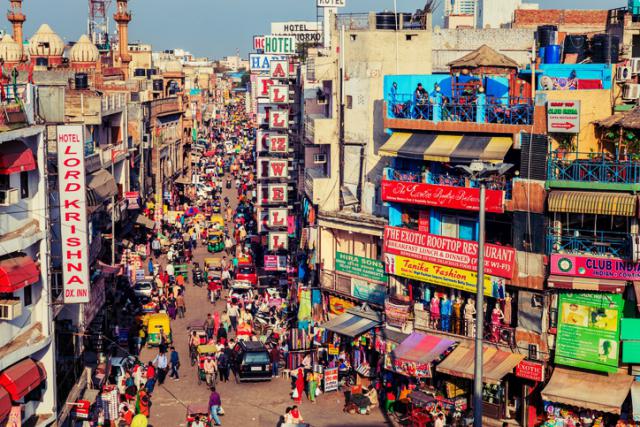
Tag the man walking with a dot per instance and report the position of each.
(208, 326)
(161, 363)
(233, 316)
(215, 402)
(175, 364)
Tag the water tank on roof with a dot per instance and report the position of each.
(547, 35)
(576, 43)
(605, 49)
(386, 21)
(81, 80)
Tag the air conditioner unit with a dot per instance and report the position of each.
(9, 197)
(635, 65)
(623, 74)
(631, 91)
(10, 309)
(320, 158)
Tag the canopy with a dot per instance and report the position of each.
(145, 222)
(484, 56)
(16, 157)
(102, 184)
(414, 356)
(18, 272)
(593, 202)
(23, 377)
(495, 363)
(350, 325)
(5, 404)
(446, 148)
(578, 388)
(586, 284)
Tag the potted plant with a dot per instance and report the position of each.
(565, 145)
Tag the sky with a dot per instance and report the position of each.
(216, 28)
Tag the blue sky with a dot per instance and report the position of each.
(216, 28)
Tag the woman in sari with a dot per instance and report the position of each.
(299, 386)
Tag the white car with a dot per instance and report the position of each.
(143, 288)
(241, 291)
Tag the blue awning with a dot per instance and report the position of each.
(350, 325)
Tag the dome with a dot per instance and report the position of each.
(84, 51)
(9, 49)
(46, 43)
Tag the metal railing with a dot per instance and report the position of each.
(496, 182)
(352, 21)
(575, 241)
(592, 167)
(493, 332)
(509, 111)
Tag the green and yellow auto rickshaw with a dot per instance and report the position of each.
(158, 324)
(215, 242)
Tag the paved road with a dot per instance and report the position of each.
(246, 404)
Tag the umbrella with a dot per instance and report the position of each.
(139, 421)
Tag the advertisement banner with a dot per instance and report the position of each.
(594, 267)
(275, 263)
(330, 379)
(278, 193)
(278, 168)
(279, 69)
(331, 3)
(355, 265)
(277, 217)
(279, 119)
(589, 330)
(278, 45)
(442, 275)
(441, 196)
(339, 305)
(263, 83)
(261, 63)
(73, 214)
(499, 260)
(278, 143)
(279, 94)
(396, 314)
(303, 31)
(529, 370)
(278, 240)
(370, 292)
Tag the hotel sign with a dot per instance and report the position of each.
(275, 45)
(73, 214)
(441, 196)
(259, 62)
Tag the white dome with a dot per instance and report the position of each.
(9, 49)
(84, 51)
(46, 43)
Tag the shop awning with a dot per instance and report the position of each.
(145, 222)
(183, 180)
(351, 325)
(109, 269)
(18, 272)
(446, 148)
(102, 184)
(16, 157)
(593, 202)
(413, 357)
(5, 404)
(586, 284)
(23, 377)
(495, 363)
(578, 388)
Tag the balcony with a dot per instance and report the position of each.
(598, 243)
(17, 107)
(166, 106)
(594, 171)
(113, 103)
(316, 185)
(320, 130)
(501, 183)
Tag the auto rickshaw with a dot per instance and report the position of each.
(200, 411)
(198, 327)
(157, 324)
(215, 242)
(204, 352)
(217, 221)
(216, 207)
(213, 264)
(181, 270)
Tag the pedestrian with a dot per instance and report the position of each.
(175, 364)
(440, 422)
(233, 316)
(155, 247)
(208, 326)
(161, 363)
(312, 381)
(151, 378)
(223, 367)
(209, 367)
(170, 270)
(180, 304)
(299, 389)
(296, 416)
(150, 267)
(275, 360)
(215, 403)
(142, 403)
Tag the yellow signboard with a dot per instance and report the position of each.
(443, 275)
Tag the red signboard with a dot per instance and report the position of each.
(441, 196)
(458, 253)
(533, 371)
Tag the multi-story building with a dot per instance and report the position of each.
(460, 7)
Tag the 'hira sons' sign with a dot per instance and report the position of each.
(73, 214)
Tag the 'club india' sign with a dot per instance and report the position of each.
(73, 214)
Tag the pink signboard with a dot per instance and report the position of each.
(594, 267)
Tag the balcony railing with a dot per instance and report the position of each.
(493, 332)
(590, 167)
(601, 243)
(482, 109)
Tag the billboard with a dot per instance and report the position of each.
(261, 63)
(275, 45)
(359, 266)
(279, 94)
(277, 193)
(277, 217)
(278, 143)
(278, 240)
(279, 119)
(73, 214)
(331, 3)
(499, 260)
(279, 69)
(278, 168)
(594, 267)
(263, 84)
(275, 263)
(589, 330)
(303, 31)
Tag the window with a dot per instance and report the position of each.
(449, 226)
(349, 102)
(256, 358)
(24, 185)
(28, 297)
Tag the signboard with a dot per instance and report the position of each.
(499, 260)
(278, 240)
(275, 263)
(442, 275)
(279, 69)
(279, 119)
(277, 193)
(97, 300)
(331, 3)
(277, 45)
(303, 31)
(588, 331)
(258, 43)
(139, 275)
(339, 305)
(73, 214)
(278, 168)
(263, 82)
(133, 198)
(355, 265)
(277, 217)
(441, 196)
(278, 143)
(333, 350)
(563, 116)
(330, 379)
(279, 94)
(370, 292)
(261, 63)
(594, 267)
(529, 370)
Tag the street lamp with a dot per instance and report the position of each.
(480, 171)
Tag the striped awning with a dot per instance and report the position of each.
(446, 148)
(350, 325)
(593, 202)
(586, 284)
(495, 363)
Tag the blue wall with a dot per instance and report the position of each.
(600, 72)
(496, 86)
